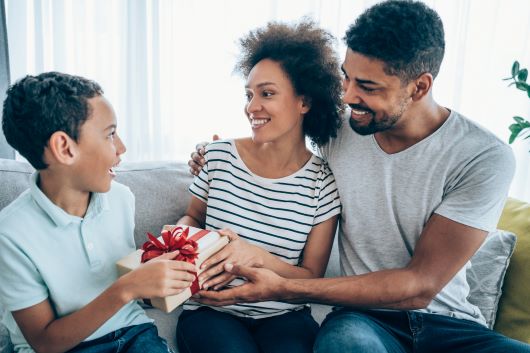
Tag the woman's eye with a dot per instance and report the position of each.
(267, 94)
(248, 96)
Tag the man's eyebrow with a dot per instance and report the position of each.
(359, 80)
(365, 82)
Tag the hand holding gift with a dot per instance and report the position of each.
(193, 245)
(237, 252)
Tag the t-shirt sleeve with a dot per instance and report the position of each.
(21, 283)
(328, 201)
(201, 186)
(476, 195)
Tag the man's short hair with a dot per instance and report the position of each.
(38, 106)
(407, 36)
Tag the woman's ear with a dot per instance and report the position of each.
(62, 148)
(306, 105)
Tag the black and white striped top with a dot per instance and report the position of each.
(275, 214)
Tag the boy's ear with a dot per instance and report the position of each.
(62, 148)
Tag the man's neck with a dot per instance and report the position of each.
(419, 123)
(62, 193)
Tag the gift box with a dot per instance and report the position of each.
(195, 245)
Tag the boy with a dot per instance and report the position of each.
(60, 239)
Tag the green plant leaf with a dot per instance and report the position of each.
(518, 119)
(522, 75)
(515, 68)
(515, 128)
(522, 86)
(512, 138)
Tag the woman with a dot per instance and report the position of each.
(278, 199)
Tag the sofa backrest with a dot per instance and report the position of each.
(160, 189)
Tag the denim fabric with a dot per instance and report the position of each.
(133, 339)
(206, 330)
(346, 330)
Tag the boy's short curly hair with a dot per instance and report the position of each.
(305, 53)
(38, 106)
(407, 36)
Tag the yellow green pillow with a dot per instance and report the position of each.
(513, 317)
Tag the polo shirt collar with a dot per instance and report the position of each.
(98, 203)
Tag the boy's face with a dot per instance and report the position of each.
(99, 148)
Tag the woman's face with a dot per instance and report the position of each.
(273, 109)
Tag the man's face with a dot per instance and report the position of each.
(377, 100)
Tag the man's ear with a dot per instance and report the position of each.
(62, 148)
(306, 105)
(422, 86)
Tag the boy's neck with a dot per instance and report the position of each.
(61, 192)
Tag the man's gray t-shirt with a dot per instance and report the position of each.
(461, 172)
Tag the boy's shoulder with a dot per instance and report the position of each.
(19, 209)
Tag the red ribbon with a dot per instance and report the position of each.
(176, 239)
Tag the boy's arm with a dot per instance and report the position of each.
(443, 249)
(47, 333)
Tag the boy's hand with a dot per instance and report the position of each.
(237, 252)
(197, 160)
(159, 277)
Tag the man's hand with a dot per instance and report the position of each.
(263, 284)
(197, 160)
(237, 252)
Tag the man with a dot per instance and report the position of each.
(421, 186)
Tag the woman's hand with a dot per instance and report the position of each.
(237, 252)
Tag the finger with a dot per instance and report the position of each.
(241, 271)
(220, 298)
(168, 255)
(224, 283)
(216, 258)
(211, 272)
(200, 147)
(213, 282)
(198, 158)
(216, 137)
(183, 266)
(229, 233)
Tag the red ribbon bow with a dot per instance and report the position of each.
(176, 239)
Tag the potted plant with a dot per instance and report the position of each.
(521, 126)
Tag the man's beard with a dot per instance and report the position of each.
(376, 126)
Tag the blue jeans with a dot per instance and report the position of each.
(347, 330)
(133, 339)
(206, 330)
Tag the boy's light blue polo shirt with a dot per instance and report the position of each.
(48, 253)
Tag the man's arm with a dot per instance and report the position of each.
(443, 249)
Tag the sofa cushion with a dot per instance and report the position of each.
(161, 193)
(486, 274)
(513, 316)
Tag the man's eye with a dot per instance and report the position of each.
(367, 89)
